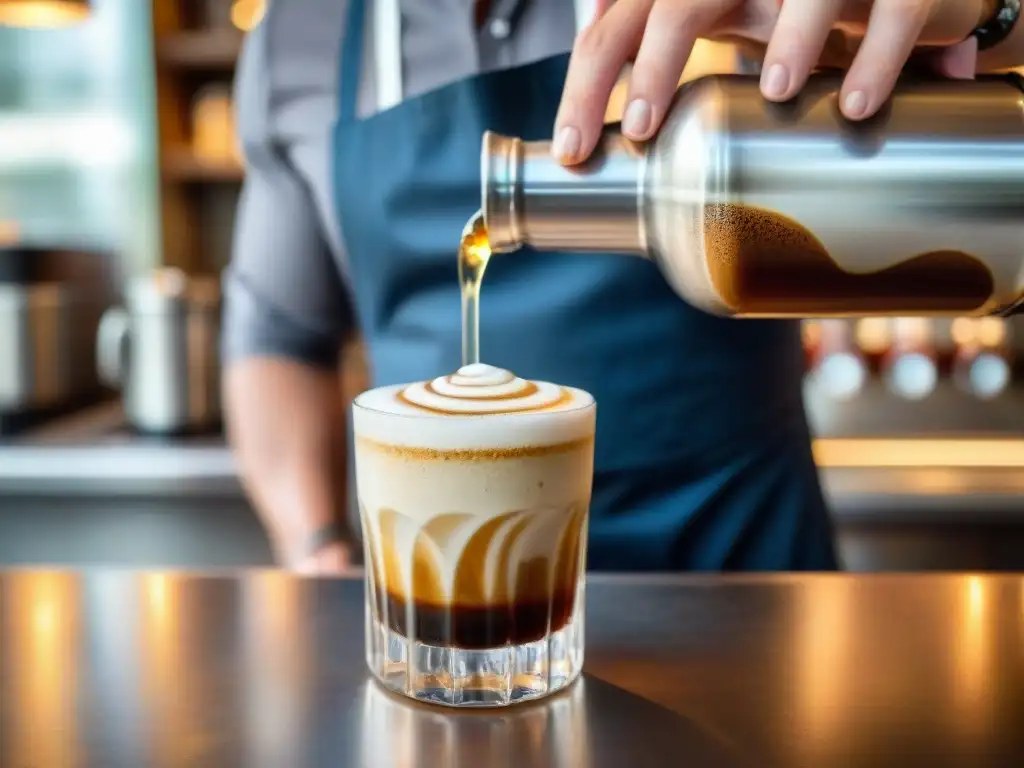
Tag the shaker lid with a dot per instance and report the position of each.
(171, 287)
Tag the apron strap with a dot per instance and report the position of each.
(586, 10)
(387, 53)
(351, 61)
(387, 46)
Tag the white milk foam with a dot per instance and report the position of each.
(477, 408)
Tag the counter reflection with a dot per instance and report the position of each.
(546, 734)
(40, 669)
(190, 669)
(278, 657)
(933, 656)
(973, 673)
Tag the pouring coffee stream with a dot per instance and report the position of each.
(754, 209)
(474, 253)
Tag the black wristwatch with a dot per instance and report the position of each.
(999, 25)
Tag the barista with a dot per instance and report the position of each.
(361, 123)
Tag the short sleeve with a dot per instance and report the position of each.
(284, 296)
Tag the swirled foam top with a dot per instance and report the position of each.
(478, 407)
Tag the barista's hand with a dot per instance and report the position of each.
(295, 544)
(332, 560)
(659, 36)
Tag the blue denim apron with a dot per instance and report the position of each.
(703, 457)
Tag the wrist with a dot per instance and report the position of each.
(951, 21)
(954, 21)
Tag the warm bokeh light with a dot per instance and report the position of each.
(964, 331)
(214, 136)
(866, 452)
(9, 233)
(811, 333)
(874, 335)
(912, 331)
(991, 332)
(247, 14)
(836, 335)
(43, 13)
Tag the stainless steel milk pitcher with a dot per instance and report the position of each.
(756, 209)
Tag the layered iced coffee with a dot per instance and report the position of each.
(474, 490)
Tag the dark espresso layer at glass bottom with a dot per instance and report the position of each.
(480, 627)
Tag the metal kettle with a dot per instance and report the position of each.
(161, 349)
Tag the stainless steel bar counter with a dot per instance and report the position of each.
(114, 669)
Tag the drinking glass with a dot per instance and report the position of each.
(475, 548)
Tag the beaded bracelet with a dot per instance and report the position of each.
(999, 26)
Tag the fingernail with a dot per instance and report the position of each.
(856, 104)
(636, 121)
(775, 82)
(567, 144)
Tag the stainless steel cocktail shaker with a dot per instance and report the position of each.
(757, 209)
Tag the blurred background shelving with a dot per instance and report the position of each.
(197, 44)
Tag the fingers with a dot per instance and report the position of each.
(892, 33)
(668, 39)
(796, 45)
(598, 57)
(662, 33)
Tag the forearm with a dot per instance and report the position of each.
(955, 20)
(949, 22)
(286, 423)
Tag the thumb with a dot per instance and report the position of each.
(959, 62)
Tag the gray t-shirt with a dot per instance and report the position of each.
(286, 288)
